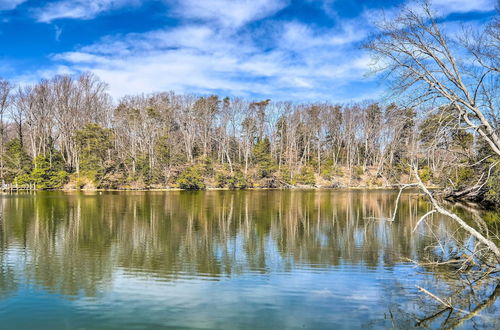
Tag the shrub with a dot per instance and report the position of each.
(191, 178)
(464, 175)
(425, 173)
(492, 194)
(327, 173)
(338, 171)
(238, 181)
(235, 180)
(358, 171)
(85, 180)
(306, 176)
(285, 176)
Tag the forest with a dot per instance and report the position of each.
(66, 132)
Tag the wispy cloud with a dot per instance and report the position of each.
(302, 62)
(221, 46)
(10, 4)
(58, 31)
(441, 8)
(78, 9)
(227, 13)
(463, 6)
(212, 51)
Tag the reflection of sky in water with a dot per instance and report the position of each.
(212, 260)
(344, 296)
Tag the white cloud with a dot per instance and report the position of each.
(463, 6)
(58, 31)
(296, 35)
(78, 9)
(326, 5)
(441, 8)
(225, 13)
(304, 62)
(228, 13)
(10, 4)
(214, 51)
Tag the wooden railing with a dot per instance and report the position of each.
(12, 187)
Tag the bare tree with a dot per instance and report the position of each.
(5, 102)
(23, 103)
(459, 73)
(426, 65)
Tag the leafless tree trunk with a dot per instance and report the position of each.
(5, 102)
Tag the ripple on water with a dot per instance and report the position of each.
(210, 260)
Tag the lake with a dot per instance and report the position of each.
(270, 259)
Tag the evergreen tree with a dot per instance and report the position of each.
(263, 159)
(94, 145)
(17, 162)
(48, 172)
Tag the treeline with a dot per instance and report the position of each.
(67, 132)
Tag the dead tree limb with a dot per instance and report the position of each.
(492, 246)
(423, 218)
(446, 304)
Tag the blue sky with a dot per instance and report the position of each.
(305, 50)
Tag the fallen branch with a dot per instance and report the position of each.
(423, 217)
(393, 216)
(446, 304)
(492, 246)
(475, 191)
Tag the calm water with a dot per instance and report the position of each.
(218, 260)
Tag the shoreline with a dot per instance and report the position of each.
(393, 187)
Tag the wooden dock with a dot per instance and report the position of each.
(12, 187)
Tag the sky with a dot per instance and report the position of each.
(308, 50)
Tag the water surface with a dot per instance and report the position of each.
(218, 260)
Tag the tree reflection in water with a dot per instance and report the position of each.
(72, 243)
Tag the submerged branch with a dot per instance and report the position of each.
(479, 308)
(446, 304)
